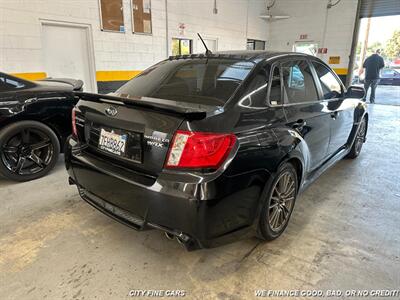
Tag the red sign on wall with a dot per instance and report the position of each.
(323, 50)
(303, 36)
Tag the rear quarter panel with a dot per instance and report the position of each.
(52, 109)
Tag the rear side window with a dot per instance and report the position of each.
(275, 94)
(256, 92)
(298, 82)
(389, 72)
(204, 81)
(331, 87)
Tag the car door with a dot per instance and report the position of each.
(305, 112)
(387, 76)
(340, 108)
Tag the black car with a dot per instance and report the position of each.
(390, 76)
(35, 120)
(208, 148)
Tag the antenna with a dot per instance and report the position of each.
(208, 52)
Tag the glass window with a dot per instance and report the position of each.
(255, 45)
(9, 83)
(141, 16)
(112, 15)
(331, 87)
(256, 93)
(181, 46)
(275, 94)
(211, 45)
(387, 72)
(298, 82)
(204, 81)
(306, 47)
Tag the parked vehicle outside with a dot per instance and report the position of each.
(210, 148)
(35, 118)
(390, 76)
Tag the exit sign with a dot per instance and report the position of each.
(303, 36)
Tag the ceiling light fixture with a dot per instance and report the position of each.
(269, 16)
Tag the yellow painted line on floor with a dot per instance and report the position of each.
(115, 75)
(31, 76)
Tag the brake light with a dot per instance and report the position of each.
(73, 117)
(199, 149)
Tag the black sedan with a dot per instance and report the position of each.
(35, 120)
(208, 148)
(390, 76)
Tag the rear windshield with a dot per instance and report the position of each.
(203, 81)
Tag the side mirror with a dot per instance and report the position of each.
(355, 92)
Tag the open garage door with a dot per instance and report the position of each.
(379, 8)
(376, 27)
(369, 9)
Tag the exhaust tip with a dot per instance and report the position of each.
(180, 241)
(169, 236)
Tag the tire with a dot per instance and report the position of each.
(28, 150)
(277, 203)
(359, 140)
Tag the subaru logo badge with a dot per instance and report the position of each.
(111, 111)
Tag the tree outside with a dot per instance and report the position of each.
(392, 49)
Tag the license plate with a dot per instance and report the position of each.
(112, 142)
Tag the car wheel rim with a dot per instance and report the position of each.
(27, 152)
(282, 200)
(360, 136)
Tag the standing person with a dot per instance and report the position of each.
(372, 65)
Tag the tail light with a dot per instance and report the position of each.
(73, 117)
(199, 149)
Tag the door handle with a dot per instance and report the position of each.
(334, 114)
(299, 124)
(30, 100)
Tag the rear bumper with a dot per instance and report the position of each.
(201, 213)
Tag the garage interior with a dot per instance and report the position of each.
(345, 230)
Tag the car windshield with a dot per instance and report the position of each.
(202, 81)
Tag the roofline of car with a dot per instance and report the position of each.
(263, 55)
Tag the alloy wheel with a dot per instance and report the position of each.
(282, 201)
(360, 138)
(27, 152)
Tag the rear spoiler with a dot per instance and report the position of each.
(191, 111)
(76, 83)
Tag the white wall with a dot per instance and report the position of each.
(21, 41)
(330, 28)
(237, 20)
(231, 26)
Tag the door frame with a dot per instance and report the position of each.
(89, 38)
(207, 37)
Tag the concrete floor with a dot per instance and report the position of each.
(386, 94)
(344, 234)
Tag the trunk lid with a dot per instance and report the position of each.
(76, 84)
(144, 127)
